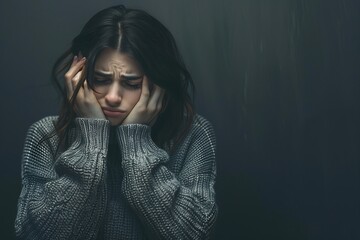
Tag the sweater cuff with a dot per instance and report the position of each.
(94, 133)
(135, 139)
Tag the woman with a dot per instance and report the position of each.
(127, 157)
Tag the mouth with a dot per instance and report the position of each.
(109, 112)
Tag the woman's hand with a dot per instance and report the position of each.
(148, 107)
(86, 104)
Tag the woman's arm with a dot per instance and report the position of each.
(67, 200)
(170, 206)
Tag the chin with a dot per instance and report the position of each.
(114, 122)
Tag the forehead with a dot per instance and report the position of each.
(111, 60)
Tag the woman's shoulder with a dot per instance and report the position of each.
(201, 130)
(202, 123)
(199, 137)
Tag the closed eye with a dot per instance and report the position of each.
(101, 81)
(131, 85)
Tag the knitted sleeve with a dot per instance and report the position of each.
(64, 200)
(180, 206)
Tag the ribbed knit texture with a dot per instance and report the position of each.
(116, 183)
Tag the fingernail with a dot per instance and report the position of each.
(75, 57)
(83, 59)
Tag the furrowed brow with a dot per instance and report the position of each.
(103, 74)
(129, 77)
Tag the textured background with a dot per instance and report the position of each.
(279, 80)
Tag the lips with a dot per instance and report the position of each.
(109, 112)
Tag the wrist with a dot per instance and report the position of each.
(93, 132)
(135, 138)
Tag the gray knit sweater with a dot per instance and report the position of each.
(116, 183)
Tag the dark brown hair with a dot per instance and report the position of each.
(139, 35)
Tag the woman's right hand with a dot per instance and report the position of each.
(86, 104)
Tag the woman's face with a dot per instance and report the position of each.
(117, 84)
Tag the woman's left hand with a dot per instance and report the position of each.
(148, 107)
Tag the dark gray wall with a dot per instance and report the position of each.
(279, 80)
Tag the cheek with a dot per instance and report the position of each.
(99, 93)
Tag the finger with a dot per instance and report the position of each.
(68, 85)
(156, 103)
(155, 98)
(74, 61)
(159, 107)
(145, 93)
(161, 97)
(69, 89)
(74, 69)
(87, 89)
(76, 79)
(161, 104)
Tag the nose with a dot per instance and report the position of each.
(113, 96)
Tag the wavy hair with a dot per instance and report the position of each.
(139, 35)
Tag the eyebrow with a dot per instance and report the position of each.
(129, 77)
